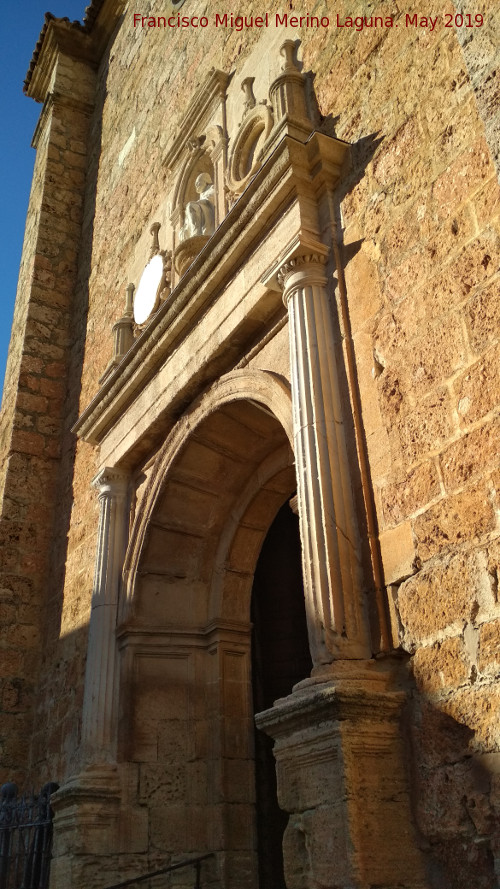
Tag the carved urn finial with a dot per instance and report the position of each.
(288, 97)
(123, 334)
(155, 228)
(287, 50)
(129, 301)
(247, 87)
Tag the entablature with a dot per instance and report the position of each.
(278, 215)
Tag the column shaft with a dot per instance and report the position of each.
(330, 537)
(100, 705)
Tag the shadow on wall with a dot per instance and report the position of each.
(455, 798)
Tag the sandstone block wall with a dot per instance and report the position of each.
(423, 289)
(419, 215)
(34, 409)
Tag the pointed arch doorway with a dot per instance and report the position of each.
(225, 475)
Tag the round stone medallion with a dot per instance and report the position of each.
(147, 295)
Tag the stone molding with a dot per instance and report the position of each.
(60, 38)
(261, 386)
(208, 97)
(152, 638)
(244, 227)
(89, 40)
(270, 467)
(254, 131)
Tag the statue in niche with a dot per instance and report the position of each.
(199, 216)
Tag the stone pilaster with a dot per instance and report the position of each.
(100, 705)
(330, 537)
(91, 815)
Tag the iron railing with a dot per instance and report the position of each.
(188, 862)
(25, 838)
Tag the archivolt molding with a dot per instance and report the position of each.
(245, 156)
(197, 160)
(263, 388)
(268, 469)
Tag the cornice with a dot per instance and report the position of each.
(274, 188)
(60, 38)
(85, 42)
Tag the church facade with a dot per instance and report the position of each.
(249, 443)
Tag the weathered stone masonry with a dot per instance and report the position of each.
(411, 232)
(36, 384)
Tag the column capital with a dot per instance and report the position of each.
(300, 271)
(110, 481)
(303, 260)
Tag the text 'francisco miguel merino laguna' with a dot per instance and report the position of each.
(268, 20)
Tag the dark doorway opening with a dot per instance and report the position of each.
(280, 658)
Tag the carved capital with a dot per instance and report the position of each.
(299, 272)
(110, 482)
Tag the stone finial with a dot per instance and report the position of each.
(167, 275)
(123, 334)
(288, 98)
(287, 51)
(129, 301)
(155, 247)
(247, 87)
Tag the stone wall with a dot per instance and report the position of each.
(34, 410)
(423, 225)
(418, 226)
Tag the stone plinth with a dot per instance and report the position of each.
(92, 827)
(341, 777)
(186, 252)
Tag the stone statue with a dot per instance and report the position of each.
(199, 216)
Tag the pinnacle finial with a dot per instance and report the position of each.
(287, 50)
(155, 228)
(129, 301)
(247, 87)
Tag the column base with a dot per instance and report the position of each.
(342, 777)
(93, 830)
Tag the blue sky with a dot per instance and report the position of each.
(20, 25)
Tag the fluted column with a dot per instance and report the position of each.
(329, 529)
(100, 704)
